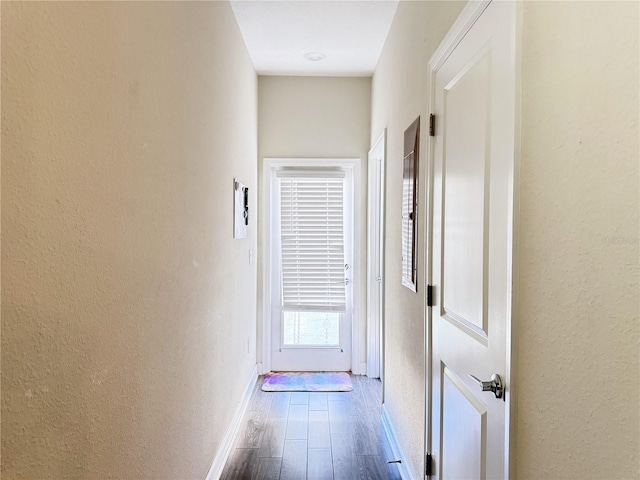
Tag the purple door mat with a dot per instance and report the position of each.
(307, 382)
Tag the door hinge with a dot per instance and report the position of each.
(429, 295)
(432, 125)
(428, 465)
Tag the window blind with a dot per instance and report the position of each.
(312, 241)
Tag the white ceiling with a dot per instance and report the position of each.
(350, 33)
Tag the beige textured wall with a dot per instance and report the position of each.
(579, 315)
(126, 304)
(319, 117)
(579, 312)
(399, 92)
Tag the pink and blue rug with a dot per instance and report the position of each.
(307, 382)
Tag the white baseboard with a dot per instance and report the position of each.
(261, 369)
(361, 366)
(230, 435)
(403, 468)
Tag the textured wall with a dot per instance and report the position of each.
(317, 117)
(400, 94)
(125, 299)
(579, 317)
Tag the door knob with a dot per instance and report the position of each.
(495, 385)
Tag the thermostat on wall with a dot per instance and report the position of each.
(240, 209)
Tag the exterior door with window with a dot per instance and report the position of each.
(311, 263)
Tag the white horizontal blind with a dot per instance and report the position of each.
(407, 220)
(312, 239)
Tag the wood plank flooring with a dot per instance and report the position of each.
(313, 436)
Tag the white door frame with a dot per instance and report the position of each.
(458, 30)
(269, 167)
(375, 257)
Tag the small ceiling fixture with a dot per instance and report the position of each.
(314, 56)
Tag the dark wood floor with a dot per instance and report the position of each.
(297, 436)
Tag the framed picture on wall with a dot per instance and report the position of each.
(410, 206)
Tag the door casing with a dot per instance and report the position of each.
(375, 258)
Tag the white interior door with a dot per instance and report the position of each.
(474, 104)
(375, 251)
(312, 233)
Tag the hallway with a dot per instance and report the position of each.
(336, 435)
(134, 324)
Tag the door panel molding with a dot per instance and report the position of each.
(469, 406)
(466, 195)
(467, 327)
